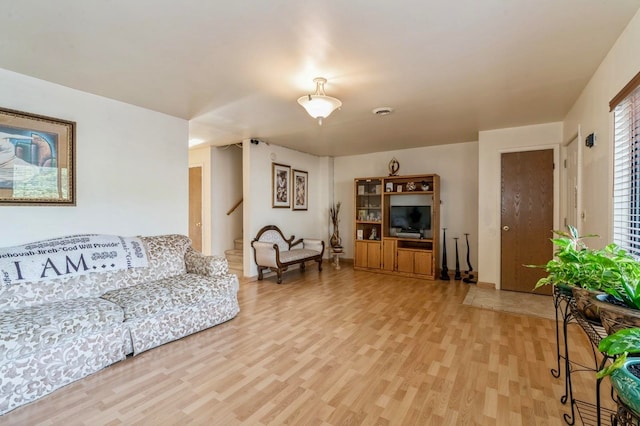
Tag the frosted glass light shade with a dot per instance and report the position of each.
(319, 105)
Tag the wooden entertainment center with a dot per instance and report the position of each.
(397, 225)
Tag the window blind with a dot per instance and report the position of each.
(626, 166)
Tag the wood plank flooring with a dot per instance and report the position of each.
(334, 348)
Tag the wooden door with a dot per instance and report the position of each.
(526, 218)
(422, 262)
(195, 207)
(374, 257)
(361, 254)
(405, 261)
(388, 255)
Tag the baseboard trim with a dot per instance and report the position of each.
(490, 286)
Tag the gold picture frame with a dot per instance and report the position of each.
(37, 159)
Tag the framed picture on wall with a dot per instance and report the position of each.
(37, 159)
(280, 184)
(300, 190)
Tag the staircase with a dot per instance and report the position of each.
(234, 258)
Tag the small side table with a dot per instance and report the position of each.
(336, 253)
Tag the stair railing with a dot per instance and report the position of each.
(235, 206)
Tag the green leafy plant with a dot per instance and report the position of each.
(620, 344)
(611, 269)
(573, 263)
(626, 273)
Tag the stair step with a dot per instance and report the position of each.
(237, 269)
(235, 262)
(233, 256)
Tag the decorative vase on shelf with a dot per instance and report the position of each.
(334, 214)
(335, 240)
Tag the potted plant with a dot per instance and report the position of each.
(624, 372)
(619, 308)
(579, 270)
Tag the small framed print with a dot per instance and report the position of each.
(388, 187)
(280, 185)
(300, 190)
(359, 234)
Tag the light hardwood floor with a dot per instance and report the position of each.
(332, 348)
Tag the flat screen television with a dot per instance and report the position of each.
(411, 218)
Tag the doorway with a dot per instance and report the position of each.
(572, 181)
(195, 207)
(526, 218)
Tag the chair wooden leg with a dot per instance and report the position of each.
(279, 276)
(260, 273)
(319, 264)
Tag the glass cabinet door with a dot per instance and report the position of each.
(368, 211)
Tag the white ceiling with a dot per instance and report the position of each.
(236, 68)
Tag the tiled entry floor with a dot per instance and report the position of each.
(511, 301)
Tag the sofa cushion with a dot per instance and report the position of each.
(298, 254)
(28, 330)
(166, 258)
(149, 298)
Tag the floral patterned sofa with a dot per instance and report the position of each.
(57, 331)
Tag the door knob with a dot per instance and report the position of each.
(505, 228)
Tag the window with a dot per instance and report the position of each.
(626, 167)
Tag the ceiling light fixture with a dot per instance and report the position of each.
(319, 105)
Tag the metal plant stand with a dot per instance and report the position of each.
(566, 310)
(561, 300)
(625, 416)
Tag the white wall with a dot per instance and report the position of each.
(591, 113)
(131, 166)
(312, 223)
(492, 144)
(457, 165)
(226, 187)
